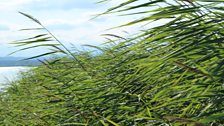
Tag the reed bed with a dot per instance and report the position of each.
(167, 75)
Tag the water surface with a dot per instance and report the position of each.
(9, 74)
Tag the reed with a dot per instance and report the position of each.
(171, 74)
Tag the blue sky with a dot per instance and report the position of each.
(69, 20)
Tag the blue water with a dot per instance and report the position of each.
(8, 74)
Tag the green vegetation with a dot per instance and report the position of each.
(168, 75)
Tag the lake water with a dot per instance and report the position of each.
(10, 73)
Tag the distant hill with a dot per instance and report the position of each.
(17, 61)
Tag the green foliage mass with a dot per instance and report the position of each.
(167, 75)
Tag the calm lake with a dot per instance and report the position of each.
(10, 73)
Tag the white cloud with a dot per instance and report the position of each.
(13, 4)
(72, 25)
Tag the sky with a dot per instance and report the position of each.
(70, 20)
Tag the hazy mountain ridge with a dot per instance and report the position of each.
(17, 61)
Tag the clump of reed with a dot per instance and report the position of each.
(171, 74)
